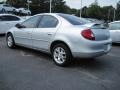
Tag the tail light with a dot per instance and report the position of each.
(88, 34)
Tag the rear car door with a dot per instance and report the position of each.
(23, 35)
(115, 31)
(46, 30)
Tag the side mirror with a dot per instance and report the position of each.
(19, 26)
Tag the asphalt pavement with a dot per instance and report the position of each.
(26, 69)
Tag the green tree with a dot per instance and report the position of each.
(118, 11)
(42, 6)
(94, 11)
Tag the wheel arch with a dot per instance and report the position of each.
(8, 34)
(59, 42)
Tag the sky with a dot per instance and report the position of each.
(76, 3)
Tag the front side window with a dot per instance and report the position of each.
(48, 22)
(32, 22)
(114, 26)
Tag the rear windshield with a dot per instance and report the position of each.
(74, 20)
(99, 26)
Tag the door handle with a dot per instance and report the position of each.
(49, 34)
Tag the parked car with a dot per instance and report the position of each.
(64, 36)
(6, 8)
(8, 21)
(114, 28)
(23, 11)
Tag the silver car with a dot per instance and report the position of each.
(8, 21)
(114, 28)
(64, 36)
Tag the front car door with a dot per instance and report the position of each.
(115, 31)
(46, 30)
(23, 35)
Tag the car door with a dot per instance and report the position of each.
(46, 30)
(23, 35)
(7, 22)
(115, 31)
(2, 25)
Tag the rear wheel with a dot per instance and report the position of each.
(61, 54)
(10, 41)
(14, 11)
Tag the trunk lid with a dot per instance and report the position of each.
(100, 32)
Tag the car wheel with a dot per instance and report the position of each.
(3, 10)
(28, 13)
(10, 41)
(14, 10)
(20, 12)
(61, 54)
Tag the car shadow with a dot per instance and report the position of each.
(33, 52)
(89, 64)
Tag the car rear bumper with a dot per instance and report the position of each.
(89, 55)
(92, 49)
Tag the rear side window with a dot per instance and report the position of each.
(114, 26)
(74, 20)
(48, 22)
(9, 18)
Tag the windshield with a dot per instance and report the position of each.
(74, 20)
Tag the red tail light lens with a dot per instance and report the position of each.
(88, 34)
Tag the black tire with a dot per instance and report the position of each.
(14, 11)
(20, 12)
(3, 10)
(10, 43)
(29, 14)
(68, 55)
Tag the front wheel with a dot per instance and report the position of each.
(61, 54)
(29, 13)
(10, 41)
(3, 10)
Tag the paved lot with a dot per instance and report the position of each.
(24, 69)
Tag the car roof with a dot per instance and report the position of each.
(10, 15)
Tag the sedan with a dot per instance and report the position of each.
(6, 8)
(8, 21)
(63, 36)
(23, 11)
(114, 28)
